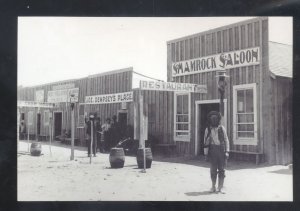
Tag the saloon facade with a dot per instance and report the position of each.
(257, 104)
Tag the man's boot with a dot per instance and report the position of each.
(213, 187)
(220, 185)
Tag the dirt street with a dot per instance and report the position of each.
(56, 178)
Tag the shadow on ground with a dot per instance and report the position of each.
(283, 171)
(198, 193)
(200, 162)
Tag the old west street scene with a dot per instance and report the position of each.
(155, 109)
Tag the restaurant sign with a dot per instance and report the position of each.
(62, 96)
(109, 98)
(170, 86)
(233, 59)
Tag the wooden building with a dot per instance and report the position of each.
(258, 96)
(258, 104)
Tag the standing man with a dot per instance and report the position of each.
(88, 133)
(215, 138)
(98, 134)
(106, 134)
(22, 130)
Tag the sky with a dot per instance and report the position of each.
(60, 48)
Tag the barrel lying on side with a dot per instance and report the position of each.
(140, 157)
(35, 149)
(117, 158)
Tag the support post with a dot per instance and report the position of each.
(50, 134)
(72, 132)
(91, 145)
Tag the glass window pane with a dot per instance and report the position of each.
(186, 118)
(242, 135)
(185, 104)
(186, 127)
(242, 127)
(249, 100)
(240, 101)
(250, 127)
(179, 104)
(250, 134)
(250, 117)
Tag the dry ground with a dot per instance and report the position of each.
(56, 178)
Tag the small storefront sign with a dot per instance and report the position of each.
(170, 86)
(109, 98)
(233, 59)
(39, 95)
(34, 104)
(64, 95)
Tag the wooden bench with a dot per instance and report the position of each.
(258, 155)
(68, 141)
(167, 149)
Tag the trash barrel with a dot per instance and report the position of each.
(117, 158)
(140, 158)
(36, 149)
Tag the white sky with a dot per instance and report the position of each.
(60, 48)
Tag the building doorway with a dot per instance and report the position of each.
(57, 124)
(123, 120)
(202, 109)
(38, 124)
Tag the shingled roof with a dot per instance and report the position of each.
(281, 59)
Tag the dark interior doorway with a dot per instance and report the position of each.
(57, 124)
(122, 119)
(203, 111)
(38, 124)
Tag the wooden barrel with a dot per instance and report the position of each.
(117, 157)
(36, 149)
(140, 157)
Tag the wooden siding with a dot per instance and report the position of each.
(93, 85)
(251, 33)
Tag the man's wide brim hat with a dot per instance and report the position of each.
(214, 113)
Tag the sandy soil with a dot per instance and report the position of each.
(56, 178)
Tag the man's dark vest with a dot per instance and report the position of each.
(221, 138)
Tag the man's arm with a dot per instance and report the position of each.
(226, 139)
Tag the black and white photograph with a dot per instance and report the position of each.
(155, 108)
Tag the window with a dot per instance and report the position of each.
(46, 117)
(245, 112)
(182, 117)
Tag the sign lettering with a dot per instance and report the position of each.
(245, 57)
(170, 86)
(64, 95)
(109, 98)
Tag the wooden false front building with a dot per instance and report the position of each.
(258, 95)
(257, 104)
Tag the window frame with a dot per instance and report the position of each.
(245, 140)
(185, 138)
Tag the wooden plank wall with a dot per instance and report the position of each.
(281, 120)
(95, 85)
(233, 37)
(160, 114)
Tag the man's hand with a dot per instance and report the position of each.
(227, 155)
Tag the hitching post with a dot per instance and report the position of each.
(28, 131)
(221, 74)
(72, 125)
(92, 137)
(142, 131)
(50, 133)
